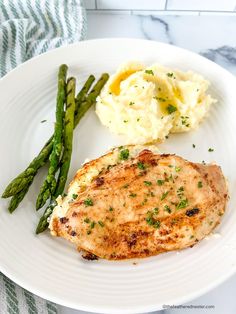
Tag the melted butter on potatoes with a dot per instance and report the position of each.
(147, 103)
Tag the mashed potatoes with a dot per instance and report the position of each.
(146, 104)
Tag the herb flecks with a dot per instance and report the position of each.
(185, 121)
(133, 195)
(160, 99)
(170, 74)
(101, 224)
(92, 225)
(164, 195)
(167, 209)
(74, 196)
(182, 204)
(149, 72)
(180, 192)
(125, 186)
(210, 150)
(170, 109)
(141, 165)
(88, 202)
(147, 183)
(124, 154)
(160, 182)
(199, 184)
(151, 221)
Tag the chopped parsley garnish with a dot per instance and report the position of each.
(182, 204)
(194, 145)
(177, 169)
(171, 178)
(210, 150)
(164, 195)
(148, 183)
(74, 196)
(160, 99)
(92, 225)
(131, 103)
(149, 72)
(144, 202)
(125, 121)
(170, 74)
(160, 182)
(110, 209)
(88, 202)
(199, 184)
(87, 220)
(157, 224)
(124, 154)
(156, 210)
(167, 209)
(170, 108)
(138, 119)
(141, 165)
(125, 186)
(180, 192)
(101, 223)
(184, 120)
(133, 195)
(151, 221)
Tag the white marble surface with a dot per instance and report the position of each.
(211, 36)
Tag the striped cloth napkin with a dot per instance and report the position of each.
(28, 28)
(31, 27)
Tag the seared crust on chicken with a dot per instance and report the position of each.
(121, 207)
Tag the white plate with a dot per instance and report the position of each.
(51, 267)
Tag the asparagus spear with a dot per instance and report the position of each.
(83, 92)
(66, 158)
(44, 154)
(86, 104)
(49, 184)
(17, 198)
(25, 178)
(68, 137)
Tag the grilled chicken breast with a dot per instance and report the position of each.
(127, 204)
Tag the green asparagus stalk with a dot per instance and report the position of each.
(45, 152)
(83, 108)
(26, 177)
(83, 92)
(17, 198)
(49, 185)
(68, 137)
